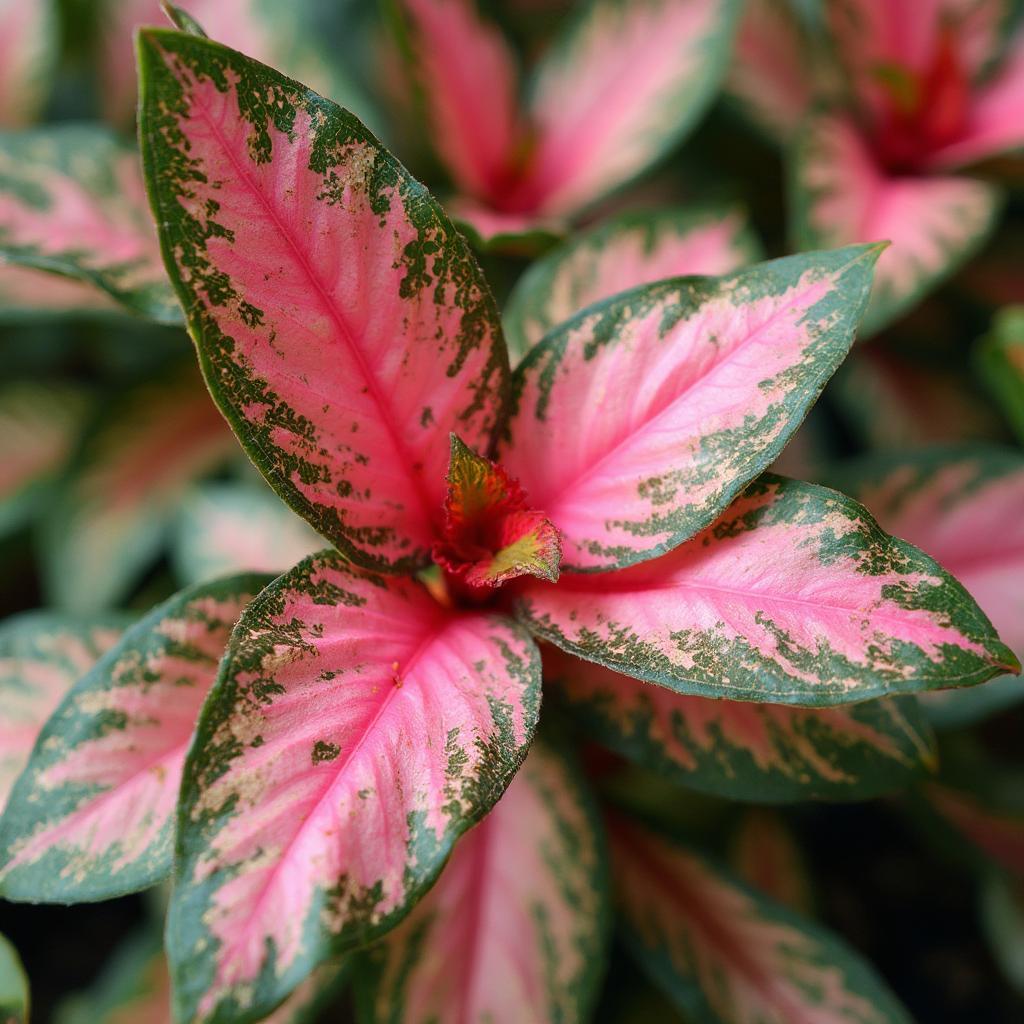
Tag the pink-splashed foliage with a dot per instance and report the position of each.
(894, 99)
(617, 90)
(725, 953)
(375, 702)
(516, 927)
(91, 816)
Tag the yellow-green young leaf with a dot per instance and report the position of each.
(516, 927)
(14, 995)
(727, 955)
(112, 508)
(72, 203)
(39, 426)
(1000, 361)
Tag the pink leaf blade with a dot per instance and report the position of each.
(357, 729)
(72, 204)
(342, 324)
(794, 596)
(769, 753)
(91, 817)
(721, 952)
(520, 911)
(842, 196)
(620, 88)
(699, 382)
(469, 80)
(42, 655)
(630, 250)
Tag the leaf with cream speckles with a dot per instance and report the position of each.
(632, 249)
(962, 505)
(356, 730)
(112, 507)
(14, 997)
(794, 596)
(744, 751)
(92, 814)
(28, 53)
(72, 204)
(699, 382)
(727, 955)
(42, 655)
(342, 324)
(516, 927)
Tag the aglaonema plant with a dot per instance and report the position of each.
(607, 501)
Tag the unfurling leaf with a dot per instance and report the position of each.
(728, 956)
(92, 814)
(342, 324)
(515, 929)
(42, 655)
(635, 424)
(744, 751)
(794, 596)
(491, 535)
(356, 730)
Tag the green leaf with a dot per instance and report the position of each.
(72, 203)
(999, 358)
(14, 996)
(724, 953)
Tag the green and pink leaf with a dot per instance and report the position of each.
(357, 728)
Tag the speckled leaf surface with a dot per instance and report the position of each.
(38, 430)
(224, 528)
(42, 655)
(841, 196)
(28, 52)
(726, 955)
(632, 249)
(356, 730)
(794, 596)
(14, 996)
(699, 382)
(92, 814)
(999, 358)
(342, 324)
(516, 927)
(113, 505)
(963, 506)
(618, 90)
(755, 752)
(72, 203)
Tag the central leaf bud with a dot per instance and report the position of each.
(490, 535)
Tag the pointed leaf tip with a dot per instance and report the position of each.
(182, 20)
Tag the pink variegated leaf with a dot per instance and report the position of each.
(765, 854)
(963, 506)
(225, 528)
(841, 195)
(725, 954)
(794, 596)
(635, 424)
(757, 752)
(114, 505)
(42, 655)
(92, 814)
(72, 203)
(632, 249)
(290, 36)
(38, 430)
(357, 729)
(469, 82)
(28, 56)
(515, 929)
(342, 324)
(999, 359)
(29, 294)
(615, 93)
(774, 75)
